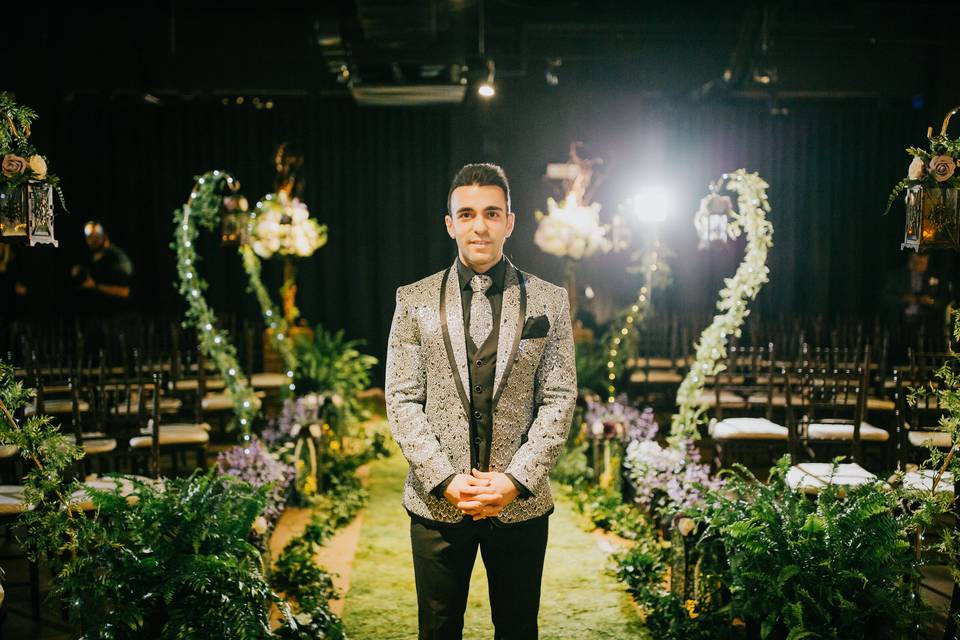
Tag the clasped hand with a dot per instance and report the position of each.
(481, 494)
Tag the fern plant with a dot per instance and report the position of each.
(334, 367)
(838, 566)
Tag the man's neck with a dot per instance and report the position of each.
(477, 268)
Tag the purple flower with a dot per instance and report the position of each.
(296, 414)
(621, 419)
(258, 467)
(668, 479)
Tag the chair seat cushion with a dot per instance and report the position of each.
(11, 500)
(708, 398)
(167, 405)
(656, 377)
(224, 401)
(8, 451)
(778, 400)
(747, 429)
(173, 434)
(811, 477)
(57, 406)
(880, 404)
(828, 431)
(269, 380)
(923, 481)
(94, 443)
(121, 485)
(938, 439)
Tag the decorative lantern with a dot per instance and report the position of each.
(931, 185)
(713, 219)
(933, 220)
(26, 214)
(234, 218)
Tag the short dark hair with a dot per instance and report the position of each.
(482, 174)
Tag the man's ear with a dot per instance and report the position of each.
(511, 220)
(448, 221)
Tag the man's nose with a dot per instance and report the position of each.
(479, 224)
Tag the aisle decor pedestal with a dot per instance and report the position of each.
(932, 187)
(26, 188)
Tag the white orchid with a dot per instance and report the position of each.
(570, 230)
(284, 226)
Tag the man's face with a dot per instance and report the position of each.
(93, 234)
(480, 223)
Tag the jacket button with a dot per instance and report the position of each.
(478, 389)
(477, 415)
(476, 441)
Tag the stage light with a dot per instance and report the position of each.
(650, 204)
(486, 88)
(551, 73)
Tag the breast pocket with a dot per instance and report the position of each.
(531, 348)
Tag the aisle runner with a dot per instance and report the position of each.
(580, 601)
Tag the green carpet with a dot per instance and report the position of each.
(579, 599)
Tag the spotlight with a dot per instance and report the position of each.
(650, 204)
(551, 73)
(486, 88)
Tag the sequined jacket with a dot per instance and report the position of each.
(534, 391)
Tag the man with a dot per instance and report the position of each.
(916, 300)
(104, 278)
(480, 389)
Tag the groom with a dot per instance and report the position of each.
(480, 388)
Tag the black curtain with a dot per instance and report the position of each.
(379, 177)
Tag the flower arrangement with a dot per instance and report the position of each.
(666, 480)
(21, 162)
(255, 465)
(934, 168)
(283, 225)
(570, 229)
(620, 420)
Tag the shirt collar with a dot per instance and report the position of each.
(496, 272)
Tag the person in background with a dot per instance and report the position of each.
(916, 300)
(104, 277)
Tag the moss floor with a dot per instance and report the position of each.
(580, 600)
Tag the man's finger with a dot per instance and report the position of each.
(481, 474)
(475, 481)
(475, 489)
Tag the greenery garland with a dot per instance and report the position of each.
(752, 273)
(203, 208)
(272, 317)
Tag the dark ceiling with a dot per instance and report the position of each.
(185, 50)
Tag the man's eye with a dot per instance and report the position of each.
(493, 214)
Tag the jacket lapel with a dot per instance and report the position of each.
(513, 310)
(454, 339)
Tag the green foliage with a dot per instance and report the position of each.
(203, 210)
(838, 566)
(591, 357)
(334, 367)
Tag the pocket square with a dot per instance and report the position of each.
(537, 327)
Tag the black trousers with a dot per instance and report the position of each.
(443, 557)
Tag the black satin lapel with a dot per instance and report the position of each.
(516, 338)
(455, 370)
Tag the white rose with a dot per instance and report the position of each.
(38, 166)
(917, 169)
(596, 428)
(316, 431)
(260, 525)
(686, 525)
(304, 619)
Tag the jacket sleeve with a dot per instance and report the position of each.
(555, 395)
(406, 393)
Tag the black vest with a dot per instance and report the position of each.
(482, 364)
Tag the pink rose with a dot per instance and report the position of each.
(917, 169)
(12, 165)
(942, 167)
